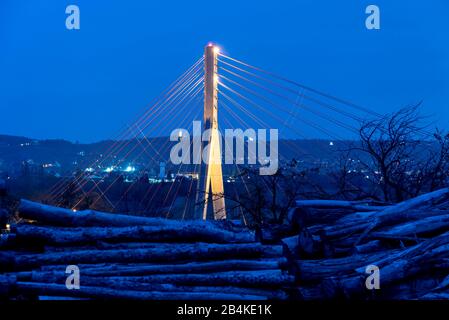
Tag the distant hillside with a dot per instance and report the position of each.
(14, 150)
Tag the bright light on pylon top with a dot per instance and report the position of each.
(216, 48)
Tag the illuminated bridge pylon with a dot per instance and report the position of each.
(210, 191)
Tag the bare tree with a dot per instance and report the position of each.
(350, 184)
(403, 160)
(266, 199)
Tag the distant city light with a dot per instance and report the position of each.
(109, 169)
(89, 170)
(130, 169)
(331, 143)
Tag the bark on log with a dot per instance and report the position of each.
(107, 293)
(354, 286)
(436, 247)
(191, 267)
(277, 294)
(100, 245)
(89, 218)
(410, 289)
(396, 212)
(371, 246)
(161, 253)
(259, 279)
(397, 266)
(271, 294)
(339, 204)
(309, 212)
(178, 233)
(427, 225)
(411, 215)
(435, 296)
(400, 211)
(355, 227)
(313, 270)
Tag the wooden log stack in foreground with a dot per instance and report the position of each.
(130, 257)
(335, 242)
(323, 252)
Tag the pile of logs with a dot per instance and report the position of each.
(327, 250)
(131, 257)
(335, 242)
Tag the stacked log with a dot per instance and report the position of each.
(336, 242)
(132, 257)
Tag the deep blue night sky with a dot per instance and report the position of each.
(85, 85)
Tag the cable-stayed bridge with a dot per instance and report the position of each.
(223, 93)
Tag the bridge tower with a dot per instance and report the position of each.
(210, 200)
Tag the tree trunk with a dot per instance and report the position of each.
(106, 270)
(160, 253)
(178, 233)
(89, 218)
(338, 204)
(313, 270)
(107, 293)
(259, 279)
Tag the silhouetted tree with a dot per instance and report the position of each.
(266, 198)
(403, 160)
